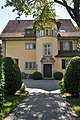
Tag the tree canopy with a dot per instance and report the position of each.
(37, 7)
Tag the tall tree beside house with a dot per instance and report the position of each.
(1, 80)
(37, 7)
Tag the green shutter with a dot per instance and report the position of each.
(61, 45)
(70, 45)
(63, 64)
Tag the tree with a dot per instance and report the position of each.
(73, 11)
(1, 80)
(13, 80)
(72, 76)
(37, 7)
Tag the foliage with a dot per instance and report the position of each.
(72, 76)
(23, 88)
(23, 75)
(58, 75)
(11, 101)
(12, 75)
(1, 81)
(37, 8)
(37, 76)
(62, 87)
(75, 103)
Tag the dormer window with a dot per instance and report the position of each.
(62, 31)
(29, 31)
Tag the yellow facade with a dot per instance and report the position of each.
(36, 58)
(16, 49)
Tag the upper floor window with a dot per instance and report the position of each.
(29, 31)
(66, 45)
(47, 32)
(62, 30)
(47, 49)
(41, 32)
(29, 46)
(75, 45)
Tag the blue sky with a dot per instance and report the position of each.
(6, 14)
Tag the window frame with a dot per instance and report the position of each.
(62, 45)
(29, 31)
(30, 65)
(47, 49)
(29, 46)
(64, 63)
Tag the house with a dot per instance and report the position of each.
(47, 50)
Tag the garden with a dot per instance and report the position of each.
(12, 90)
(70, 84)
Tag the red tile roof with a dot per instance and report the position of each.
(69, 34)
(15, 29)
(68, 53)
(67, 25)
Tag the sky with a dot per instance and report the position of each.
(6, 14)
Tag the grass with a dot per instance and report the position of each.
(11, 101)
(74, 102)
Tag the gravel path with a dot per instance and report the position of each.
(43, 105)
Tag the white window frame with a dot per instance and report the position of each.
(47, 49)
(30, 65)
(30, 46)
(66, 45)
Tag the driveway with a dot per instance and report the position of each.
(45, 102)
(47, 85)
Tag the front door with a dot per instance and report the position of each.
(47, 70)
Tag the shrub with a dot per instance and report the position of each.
(23, 88)
(62, 87)
(58, 75)
(37, 76)
(72, 76)
(12, 75)
(2, 81)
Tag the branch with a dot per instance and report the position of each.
(69, 9)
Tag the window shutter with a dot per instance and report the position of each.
(61, 45)
(63, 64)
(70, 44)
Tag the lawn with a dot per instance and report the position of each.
(11, 101)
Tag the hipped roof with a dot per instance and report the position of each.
(16, 30)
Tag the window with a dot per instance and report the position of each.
(41, 32)
(29, 46)
(62, 30)
(30, 65)
(64, 63)
(65, 45)
(47, 49)
(75, 45)
(46, 33)
(29, 31)
(17, 61)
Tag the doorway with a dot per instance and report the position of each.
(47, 70)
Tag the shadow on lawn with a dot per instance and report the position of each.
(44, 106)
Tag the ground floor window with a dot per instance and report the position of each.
(17, 61)
(64, 63)
(30, 65)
